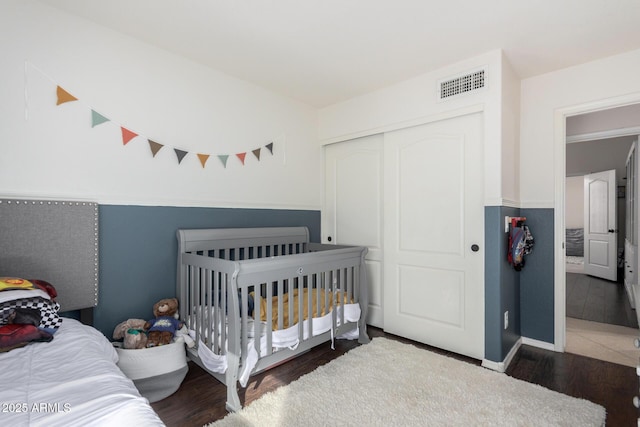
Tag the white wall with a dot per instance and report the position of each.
(605, 120)
(415, 101)
(176, 102)
(510, 122)
(574, 202)
(598, 83)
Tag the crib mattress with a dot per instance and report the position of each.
(321, 304)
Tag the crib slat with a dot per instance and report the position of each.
(214, 302)
(310, 292)
(300, 287)
(291, 301)
(280, 304)
(244, 321)
(343, 279)
(269, 325)
(207, 306)
(224, 285)
(192, 292)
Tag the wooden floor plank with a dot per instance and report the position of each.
(200, 399)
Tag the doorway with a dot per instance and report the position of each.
(600, 322)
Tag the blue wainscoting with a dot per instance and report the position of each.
(502, 287)
(527, 294)
(537, 294)
(138, 251)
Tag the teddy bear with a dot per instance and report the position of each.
(132, 333)
(162, 328)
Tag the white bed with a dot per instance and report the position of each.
(58, 372)
(72, 380)
(574, 250)
(575, 264)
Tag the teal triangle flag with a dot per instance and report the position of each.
(223, 158)
(97, 118)
(180, 154)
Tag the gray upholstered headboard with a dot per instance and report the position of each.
(56, 241)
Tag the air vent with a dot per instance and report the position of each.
(463, 84)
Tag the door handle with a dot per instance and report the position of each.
(475, 248)
(611, 230)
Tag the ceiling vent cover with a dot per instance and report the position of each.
(462, 84)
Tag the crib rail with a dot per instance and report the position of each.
(245, 243)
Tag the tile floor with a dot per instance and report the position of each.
(602, 341)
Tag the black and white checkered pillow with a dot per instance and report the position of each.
(48, 311)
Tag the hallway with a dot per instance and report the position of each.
(598, 300)
(600, 321)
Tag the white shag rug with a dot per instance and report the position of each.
(387, 383)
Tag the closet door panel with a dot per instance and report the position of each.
(434, 234)
(352, 213)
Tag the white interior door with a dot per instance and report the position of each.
(434, 234)
(600, 225)
(352, 213)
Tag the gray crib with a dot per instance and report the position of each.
(222, 273)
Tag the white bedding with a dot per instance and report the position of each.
(286, 338)
(575, 264)
(71, 381)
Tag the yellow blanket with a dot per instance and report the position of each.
(316, 294)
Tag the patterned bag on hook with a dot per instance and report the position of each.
(521, 244)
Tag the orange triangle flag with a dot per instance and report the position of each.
(64, 96)
(127, 135)
(241, 157)
(203, 158)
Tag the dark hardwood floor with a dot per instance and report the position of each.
(200, 399)
(598, 300)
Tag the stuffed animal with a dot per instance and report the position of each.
(184, 333)
(135, 338)
(132, 333)
(162, 329)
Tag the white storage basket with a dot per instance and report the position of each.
(158, 371)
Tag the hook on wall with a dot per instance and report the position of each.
(513, 221)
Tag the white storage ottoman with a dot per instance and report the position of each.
(157, 372)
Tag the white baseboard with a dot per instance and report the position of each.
(540, 344)
(502, 366)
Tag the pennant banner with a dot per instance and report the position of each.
(180, 154)
(241, 156)
(97, 118)
(64, 96)
(203, 158)
(155, 147)
(127, 135)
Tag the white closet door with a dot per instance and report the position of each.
(352, 212)
(434, 234)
